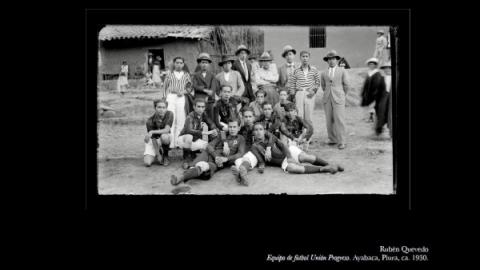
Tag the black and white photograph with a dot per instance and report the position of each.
(246, 109)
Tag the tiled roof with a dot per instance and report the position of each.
(111, 32)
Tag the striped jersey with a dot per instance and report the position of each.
(174, 85)
(297, 80)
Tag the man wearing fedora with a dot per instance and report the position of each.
(245, 69)
(304, 83)
(287, 69)
(381, 47)
(230, 77)
(335, 86)
(204, 83)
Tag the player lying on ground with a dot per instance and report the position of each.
(269, 149)
(158, 128)
(214, 158)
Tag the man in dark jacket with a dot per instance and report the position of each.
(205, 85)
(243, 66)
(374, 90)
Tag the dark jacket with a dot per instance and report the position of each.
(225, 110)
(193, 125)
(373, 87)
(278, 148)
(236, 144)
(209, 82)
(155, 122)
(248, 93)
(272, 125)
(293, 128)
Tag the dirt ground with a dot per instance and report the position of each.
(368, 161)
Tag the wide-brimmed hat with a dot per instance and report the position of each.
(331, 54)
(204, 56)
(242, 48)
(372, 60)
(386, 65)
(287, 49)
(381, 32)
(265, 57)
(226, 58)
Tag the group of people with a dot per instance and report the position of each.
(249, 116)
(246, 116)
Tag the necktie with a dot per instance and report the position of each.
(245, 69)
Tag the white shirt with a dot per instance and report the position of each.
(331, 71)
(204, 74)
(245, 69)
(388, 82)
(305, 71)
(227, 76)
(178, 74)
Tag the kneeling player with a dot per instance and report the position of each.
(158, 128)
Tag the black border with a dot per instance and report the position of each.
(400, 19)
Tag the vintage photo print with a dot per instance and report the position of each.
(246, 109)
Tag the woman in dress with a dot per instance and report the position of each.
(122, 82)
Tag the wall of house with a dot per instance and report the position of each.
(135, 52)
(355, 43)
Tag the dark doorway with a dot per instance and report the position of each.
(156, 55)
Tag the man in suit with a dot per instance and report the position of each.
(205, 85)
(287, 69)
(335, 86)
(243, 66)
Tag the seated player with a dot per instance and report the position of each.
(279, 107)
(257, 105)
(269, 149)
(158, 128)
(248, 161)
(294, 130)
(194, 135)
(215, 158)
(225, 108)
(270, 120)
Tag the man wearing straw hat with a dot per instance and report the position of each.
(287, 69)
(304, 83)
(335, 86)
(266, 78)
(204, 83)
(245, 68)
